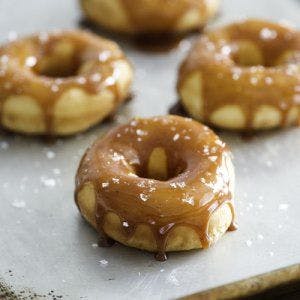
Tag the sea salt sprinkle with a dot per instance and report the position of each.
(117, 157)
(141, 184)
(103, 263)
(260, 237)
(226, 50)
(236, 76)
(48, 182)
(173, 279)
(206, 150)
(260, 206)
(189, 200)
(116, 180)
(81, 80)
(253, 80)
(144, 197)
(104, 55)
(133, 123)
(56, 171)
(30, 61)
(96, 77)
(249, 243)
(18, 203)
(176, 137)
(268, 34)
(213, 158)
(54, 88)
(178, 185)
(141, 132)
(268, 80)
(4, 145)
(125, 224)
(50, 154)
(269, 163)
(283, 206)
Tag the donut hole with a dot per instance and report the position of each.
(58, 68)
(247, 53)
(162, 166)
(60, 60)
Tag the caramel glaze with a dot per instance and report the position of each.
(31, 67)
(226, 82)
(198, 181)
(179, 110)
(160, 15)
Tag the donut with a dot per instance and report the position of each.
(244, 76)
(159, 184)
(150, 16)
(61, 83)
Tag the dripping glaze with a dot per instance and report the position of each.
(226, 82)
(197, 183)
(22, 63)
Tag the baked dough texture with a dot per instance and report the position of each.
(150, 16)
(61, 83)
(244, 76)
(159, 184)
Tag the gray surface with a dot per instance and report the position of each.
(46, 244)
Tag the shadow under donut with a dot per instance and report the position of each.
(147, 42)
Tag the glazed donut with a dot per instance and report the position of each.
(150, 16)
(244, 76)
(61, 83)
(159, 184)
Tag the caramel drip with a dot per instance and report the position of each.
(117, 164)
(46, 66)
(225, 82)
(160, 15)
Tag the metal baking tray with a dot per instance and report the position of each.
(46, 249)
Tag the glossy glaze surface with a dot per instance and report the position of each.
(198, 180)
(248, 64)
(46, 65)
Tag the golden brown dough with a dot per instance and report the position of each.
(244, 76)
(159, 184)
(61, 83)
(150, 16)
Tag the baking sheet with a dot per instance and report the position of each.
(46, 247)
